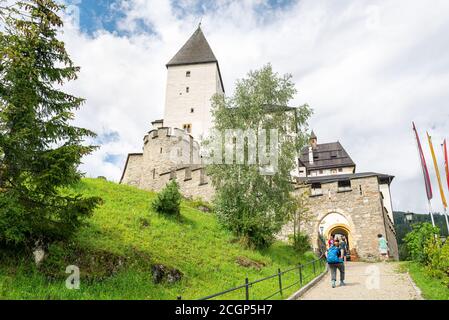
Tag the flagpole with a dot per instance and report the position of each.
(445, 209)
(431, 213)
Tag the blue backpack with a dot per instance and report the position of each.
(333, 254)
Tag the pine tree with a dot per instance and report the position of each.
(39, 148)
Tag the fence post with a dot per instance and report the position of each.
(300, 275)
(280, 281)
(246, 288)
(313, 263)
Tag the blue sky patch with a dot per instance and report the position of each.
(114, 158)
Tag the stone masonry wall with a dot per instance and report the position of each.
(362, 207)
(167, 154)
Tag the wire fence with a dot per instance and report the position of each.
(283, 280)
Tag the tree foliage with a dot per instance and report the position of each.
(40, 149)
(417, 240)
(300, 216)
(253, 205)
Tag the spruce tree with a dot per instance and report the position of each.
(40, 149)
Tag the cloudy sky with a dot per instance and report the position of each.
(366, 68)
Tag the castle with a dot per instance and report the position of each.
(342, 201)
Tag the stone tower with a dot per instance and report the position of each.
(193, 77)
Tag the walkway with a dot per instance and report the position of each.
(366, 281)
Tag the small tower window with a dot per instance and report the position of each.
(187, 127)
(192, 110)
(161, 150)
(187, 89)
(188, 74)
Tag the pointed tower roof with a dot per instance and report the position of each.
(195, 50)
(313, 135)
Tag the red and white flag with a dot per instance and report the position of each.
(446, 162)
(424, 166)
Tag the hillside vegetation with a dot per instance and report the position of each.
(121, 243)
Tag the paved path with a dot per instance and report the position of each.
(366, 281)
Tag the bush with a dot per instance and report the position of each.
(438, 259)
(417, 240)
(168, 201)
(301, 243)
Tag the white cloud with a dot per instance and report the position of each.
(367, 70)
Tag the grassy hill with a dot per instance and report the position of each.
(124, 239)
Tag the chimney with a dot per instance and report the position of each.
(157, 124)
(313, 140)
(310, 155)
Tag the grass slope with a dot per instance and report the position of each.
(125, 234)
(432, 288)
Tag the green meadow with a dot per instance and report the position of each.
(119, 245)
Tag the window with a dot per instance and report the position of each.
(161, 150)
(321, 171)
(192, 110)
(187, 127)
(316, 189)
(340, 170)
(344, 185)
(188, 74)
(360, 190)
(187, 89)
(154, 173)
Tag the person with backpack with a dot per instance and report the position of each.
(335, 260)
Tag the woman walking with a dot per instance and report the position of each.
(383, 247)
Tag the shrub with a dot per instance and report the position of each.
(417, 240)
(168, 201)
(438, 259)
(301, 243)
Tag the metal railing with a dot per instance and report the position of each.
(316, 266)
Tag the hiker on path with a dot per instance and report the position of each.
(383, 247)
(334, 256)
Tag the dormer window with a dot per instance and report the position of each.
(188, 74)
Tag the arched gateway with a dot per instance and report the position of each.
(343, 202)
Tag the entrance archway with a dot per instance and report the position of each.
(336, 224)
(340, 231)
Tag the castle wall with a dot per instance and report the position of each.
(362, 207)
(168, 154)
(133, 170)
